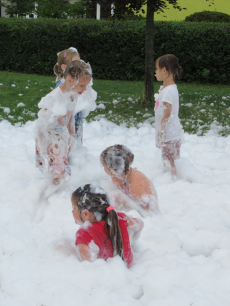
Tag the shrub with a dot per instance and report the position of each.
(116, 49)
(208, 17)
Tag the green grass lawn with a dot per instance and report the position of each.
(119, 102)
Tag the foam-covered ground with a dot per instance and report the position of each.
(181, 259)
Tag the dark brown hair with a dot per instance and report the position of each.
(93, 198)
(64, 57)
(118, 156)
(78, 69)
(171, 64)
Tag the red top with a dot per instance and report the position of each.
(95, 231)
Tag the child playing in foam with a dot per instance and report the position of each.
(116, 161)
(104, 233)
(168, 127)
(55, 133)
(64, 58)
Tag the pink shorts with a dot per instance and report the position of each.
(171, 150)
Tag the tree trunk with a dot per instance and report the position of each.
(149, 58)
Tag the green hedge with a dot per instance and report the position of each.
(208, 16)
(116, 50)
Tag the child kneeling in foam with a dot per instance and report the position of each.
(116, 161)
(104, 233)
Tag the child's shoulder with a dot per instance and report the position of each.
(86, 229)
(55, 102)
(171, 88)
(137, 175)
(169, 94)
(51, 96)
(121, 216)
(122, 219)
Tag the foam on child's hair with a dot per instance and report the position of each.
(89, 69)
(115, 158)
(73, 49)
(75, 83)
(95, 188)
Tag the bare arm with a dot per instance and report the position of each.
(164, 122)
(71, 129)
(42, 133)
(84, 252)
(167, 114)
(135, 225)
(71, 125)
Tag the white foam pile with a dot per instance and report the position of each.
(182, 257)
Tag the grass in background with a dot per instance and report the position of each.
(118, 101)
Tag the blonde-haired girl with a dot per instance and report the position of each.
(55, 132)
(64, 57)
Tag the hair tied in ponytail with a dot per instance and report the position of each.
(109, 208)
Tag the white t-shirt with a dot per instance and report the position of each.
(174, 128)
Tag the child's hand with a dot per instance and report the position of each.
(158, 146)
(56, 181)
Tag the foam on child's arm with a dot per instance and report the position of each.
(94, 250)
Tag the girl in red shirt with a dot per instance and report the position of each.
(104, 233)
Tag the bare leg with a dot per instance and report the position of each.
(169, 166)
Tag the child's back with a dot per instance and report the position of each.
(95, 232)
(104, 233)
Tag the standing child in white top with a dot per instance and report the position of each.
(64, 57)
(168, 127)
(55, 133)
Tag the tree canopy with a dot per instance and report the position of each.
(18, 8)
(122, 7)
(46, 8)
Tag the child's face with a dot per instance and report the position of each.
(76, 214)
(81, 85)
(80, 218)
(112, 172)
(161, 73)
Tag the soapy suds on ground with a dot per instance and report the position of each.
(182, 257)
